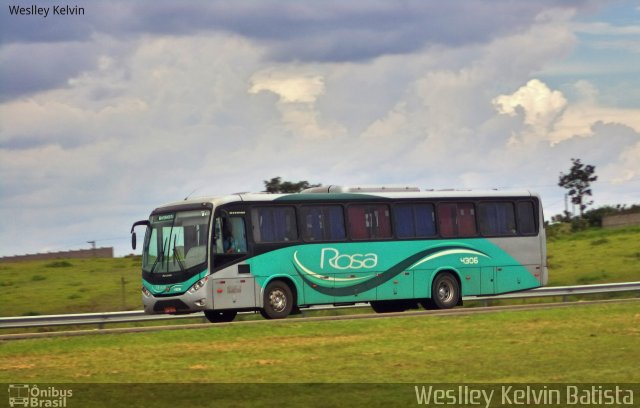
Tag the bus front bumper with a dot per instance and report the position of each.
(179, 304)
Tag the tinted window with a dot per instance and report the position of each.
(457, 220)
(497, 219)
(414, 220)
(230, 235)
(369, 221)
(447, 220)
(322, 223)
(274, 224)
(526, 218)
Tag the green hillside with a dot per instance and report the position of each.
(105, 285)
(597, 255)
(70, 286)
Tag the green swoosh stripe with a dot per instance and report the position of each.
(317, 281)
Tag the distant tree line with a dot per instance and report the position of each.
(593, 217)
(276, 185)
(578, 184)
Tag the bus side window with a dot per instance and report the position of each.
(466, 220)
(322, 223)
(238, 239)
(369, 221)
(414, 220)
(447, 220)
(457, 220)
(274, 224)
(497, 219)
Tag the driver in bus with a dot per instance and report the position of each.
(228, 241)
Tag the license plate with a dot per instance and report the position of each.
(170, 309)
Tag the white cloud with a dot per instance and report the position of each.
(628, 167)
(540, 106)
(606, 29)
(290, 88)
(297, 91)
(548, 114)
(158, 116)
(580, 116)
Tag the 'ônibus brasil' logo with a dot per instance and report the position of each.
(336, 260)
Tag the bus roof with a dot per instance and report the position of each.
(368, 194)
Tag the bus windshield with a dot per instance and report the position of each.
(176, 241)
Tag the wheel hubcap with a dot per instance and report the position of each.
(444, 292)
(278, 300)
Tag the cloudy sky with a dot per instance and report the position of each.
(106, 115)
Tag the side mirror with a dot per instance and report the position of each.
(133, 234)
(133, 241)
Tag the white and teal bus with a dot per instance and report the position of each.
(394, 247)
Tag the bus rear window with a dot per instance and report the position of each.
(274, 224)
(526, 218)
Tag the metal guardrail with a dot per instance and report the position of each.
(101, 319)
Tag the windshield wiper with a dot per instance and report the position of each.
(176, 254)
(160, 256)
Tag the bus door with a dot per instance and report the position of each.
(229, 238)
(233, 284)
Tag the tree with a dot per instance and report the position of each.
(276, 185)
(578, 182)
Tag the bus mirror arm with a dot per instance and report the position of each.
(133, 234)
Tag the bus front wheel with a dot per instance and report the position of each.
(220, 316)
(445, 291)
(278, 301)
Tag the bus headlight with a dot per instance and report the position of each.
(198, 284)
(146, 292)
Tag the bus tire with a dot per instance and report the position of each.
(445, 291)
(278, 300)
(220, 316)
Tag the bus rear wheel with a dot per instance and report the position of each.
(278, 301)
(220, 316)
(445, 291)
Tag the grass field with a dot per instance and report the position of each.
(96, 285)
(597, 255)
(70, 286)
(588, 343)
